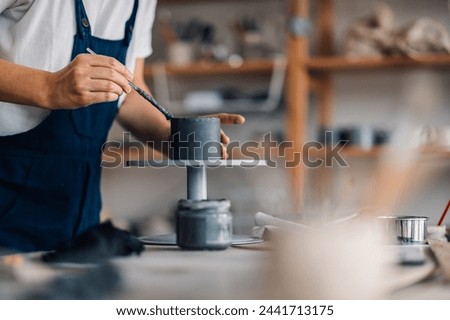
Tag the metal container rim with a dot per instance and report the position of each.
(409, 218)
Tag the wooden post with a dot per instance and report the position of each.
(325, 27)
(322, 187)
(325, 31)
(297, 91)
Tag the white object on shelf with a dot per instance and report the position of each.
(203, 100)
(181, 53)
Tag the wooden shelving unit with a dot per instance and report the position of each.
(355, 152)
(306, 73)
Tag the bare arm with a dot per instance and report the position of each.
(23, 85)
(86, 80)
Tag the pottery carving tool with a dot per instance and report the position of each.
(145, 95)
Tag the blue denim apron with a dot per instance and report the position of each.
(50, 175)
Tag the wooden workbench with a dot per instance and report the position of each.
(169, 273)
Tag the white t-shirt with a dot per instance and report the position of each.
(39, 34)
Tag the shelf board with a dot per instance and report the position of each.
(362, 153)
(210, 68)
(256, 151)
(340, 63)
(436, 151)
(356, 152)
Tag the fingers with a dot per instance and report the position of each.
(90, 98)
(228, 118)
(98, 67)
(109, 80)
(224, 152)
(89, 79)
(224, 138)
(107, 62)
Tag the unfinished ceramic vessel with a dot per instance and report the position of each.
(195, 138)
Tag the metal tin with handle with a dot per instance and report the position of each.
(404, 229)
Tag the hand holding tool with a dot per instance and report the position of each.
(145, 95)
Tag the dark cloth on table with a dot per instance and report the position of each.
(96, 244)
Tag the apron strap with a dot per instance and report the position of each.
(130, 23)
(83, 24)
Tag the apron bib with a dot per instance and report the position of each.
(50, 175)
